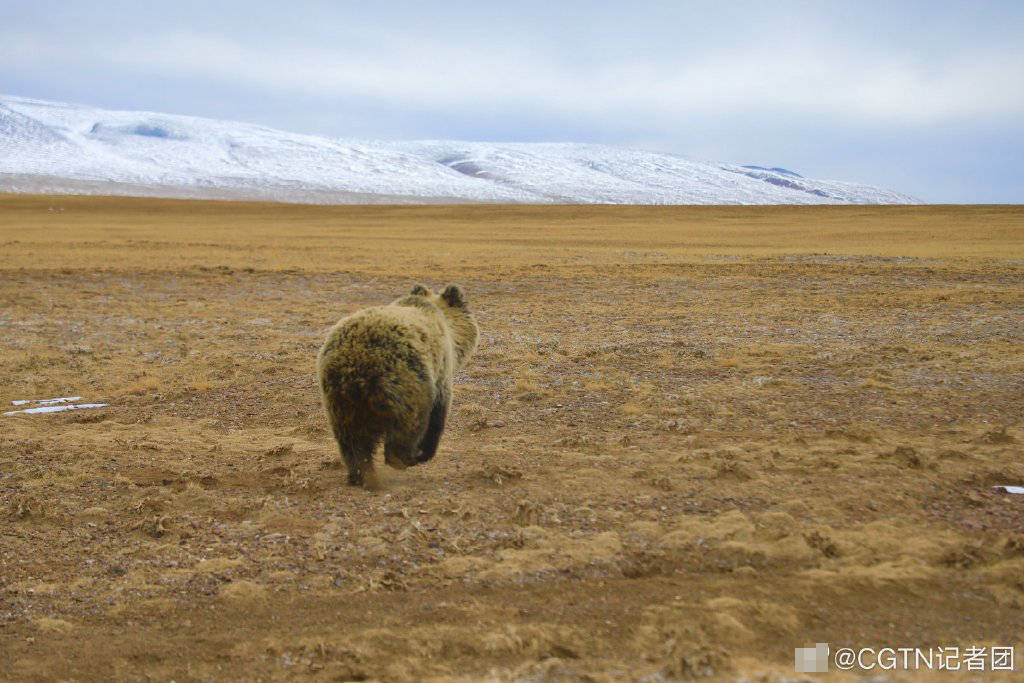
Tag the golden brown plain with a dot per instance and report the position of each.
(692, 439)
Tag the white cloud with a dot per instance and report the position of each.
(810, 79)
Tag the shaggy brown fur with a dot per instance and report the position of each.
(386, 373)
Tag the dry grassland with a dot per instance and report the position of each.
(692, 440)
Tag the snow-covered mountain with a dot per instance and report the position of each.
(66, 148)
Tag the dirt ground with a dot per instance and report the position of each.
(691, 440)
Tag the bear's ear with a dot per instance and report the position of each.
(452, 296)
(420, 290)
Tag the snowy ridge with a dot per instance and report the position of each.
(57, 147)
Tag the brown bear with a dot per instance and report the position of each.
(386, 373)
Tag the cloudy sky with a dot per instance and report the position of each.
(925, 98)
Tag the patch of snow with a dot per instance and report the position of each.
(57, 409)
(1009, 489)
(63, 399)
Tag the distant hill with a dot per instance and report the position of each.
(67, 148)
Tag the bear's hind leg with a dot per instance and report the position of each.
(400, 450)
(358, 456)
(401, 441)
(428, 445)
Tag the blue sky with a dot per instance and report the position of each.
(925, 98)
